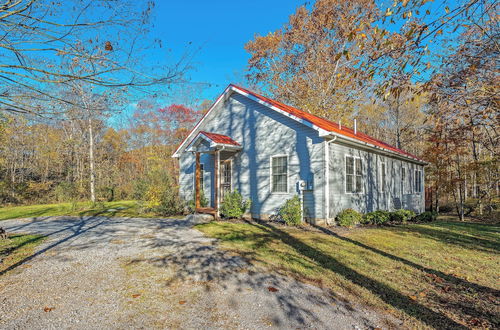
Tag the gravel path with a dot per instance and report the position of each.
(97, 272)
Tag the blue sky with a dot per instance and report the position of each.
(221, 28)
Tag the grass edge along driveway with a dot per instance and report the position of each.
(439, 275)
(17, 248)
(110, 209)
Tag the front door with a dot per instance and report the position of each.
(225, 179)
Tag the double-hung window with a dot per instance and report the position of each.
(403, 180)
(383, 177)
(279, 174)
(418, 181)
(353, 175)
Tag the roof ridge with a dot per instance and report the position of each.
(320, 121)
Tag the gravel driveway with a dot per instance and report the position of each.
(98, 272)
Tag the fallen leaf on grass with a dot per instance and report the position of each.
(271, 289)
(413, 297)
(136, 295)
(446, 288)
(48, 309)
(476, 323)
(182, 302)
(435, 278)
(422, 294)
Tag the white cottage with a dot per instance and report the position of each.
(264, 149)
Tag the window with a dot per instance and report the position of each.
(279, 174)
(403, 180)
(353, 175)
(418, 181)
(383, 178)
(409, 181)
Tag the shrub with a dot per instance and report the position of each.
(203, 201)
(446, 208)
(377, 217)
(426, 217)
(348, 218)
(402, 216)
(234, 206)
(291, 212)
(65, 192)
(163, 200)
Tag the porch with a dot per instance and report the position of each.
(221, 149)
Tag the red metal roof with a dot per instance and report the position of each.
(326, 124)
(322, 123)
(219, 138)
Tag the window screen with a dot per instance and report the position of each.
(354, 175)
(383, 177)
(279, 174)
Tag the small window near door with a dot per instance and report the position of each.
(279, 174)
(202, 177)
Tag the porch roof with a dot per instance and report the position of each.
(215, 141)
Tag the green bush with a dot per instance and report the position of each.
(234, 206)
(159, 193)
(377, 217)
(348, 218)
(291, 212)
(203, 201)
(426, 217)
(65, 192)
(402, 216)
(447, 208)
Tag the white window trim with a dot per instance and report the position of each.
(382, 177)
(403, 180)
(194, 177)
(362, 175)
(287, 174)
(418, 178)
(230, 160)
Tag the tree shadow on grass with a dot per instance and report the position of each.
(10, 250)
(467, 293)
(384, 292)
(75, 229)
(447, 233)
(447, 277)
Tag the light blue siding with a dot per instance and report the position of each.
(263, 133)
(372, 198)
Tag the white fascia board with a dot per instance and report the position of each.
(379, 149)
(289, 115)
(194, 130)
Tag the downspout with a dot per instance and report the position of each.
(327, 178)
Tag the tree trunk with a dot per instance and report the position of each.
(91, 160)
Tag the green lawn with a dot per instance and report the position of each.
(441, 275)
(117, 209)
(17, 249)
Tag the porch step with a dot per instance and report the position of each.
(206, 210)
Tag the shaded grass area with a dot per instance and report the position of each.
(117, 209)
(441, 275)
(17, 248)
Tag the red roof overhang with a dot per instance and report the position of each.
(328, 127)
(219, 138)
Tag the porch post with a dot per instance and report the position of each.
(216, 182)
(197, 182)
